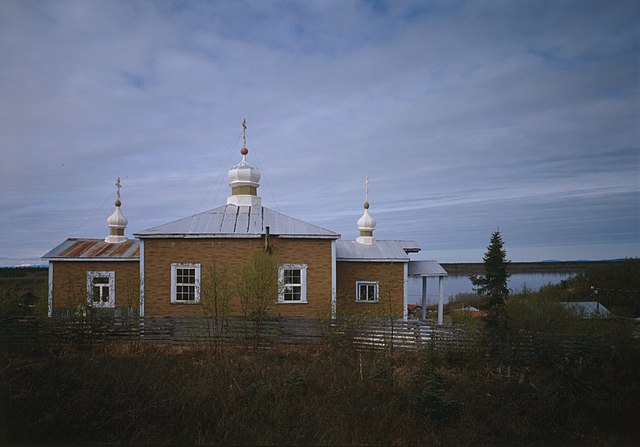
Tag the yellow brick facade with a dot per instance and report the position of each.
(70, 283)
(390, 278)
(70, 286)
(159, 254)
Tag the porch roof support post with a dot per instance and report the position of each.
(334, 311)
(50, 291)
(141, 311)
(424, 298)
(440, 299)
(405, 304)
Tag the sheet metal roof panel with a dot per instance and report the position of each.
(96, 249)
(229, 220)
(234, 221)
(255, 225)
(426, 268)
(378, 251)
(242, 223)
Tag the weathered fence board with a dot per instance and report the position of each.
(32, 331)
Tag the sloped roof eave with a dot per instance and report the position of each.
(238, 221)
(379, 251)
(307, 236)
(372, 259)
(136, 259)
(94, 250)
(197, 236)
(429, 268)
(231, 236)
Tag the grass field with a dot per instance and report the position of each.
(31, 278)
(325, 395)
(569, 394)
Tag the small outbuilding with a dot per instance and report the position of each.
(587, 309)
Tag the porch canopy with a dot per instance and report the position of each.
(426, 269)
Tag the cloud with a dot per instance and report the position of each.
(465, 115)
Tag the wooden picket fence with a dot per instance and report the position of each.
(29, 332)
(366, 334)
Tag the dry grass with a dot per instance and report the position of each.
(321, 396)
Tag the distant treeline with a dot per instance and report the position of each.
(463, 269)
(19, 272)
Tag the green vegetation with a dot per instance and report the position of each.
(23, 291)
(216, 295)
(616, 285)
(515, 267)
(325, 395)
(558, 380)
(493, 285)
(258, 285)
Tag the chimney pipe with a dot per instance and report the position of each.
(266, 240)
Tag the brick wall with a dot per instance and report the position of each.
(70, 282)
(159, 254)
(390, 277)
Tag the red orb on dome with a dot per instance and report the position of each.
(244, 151)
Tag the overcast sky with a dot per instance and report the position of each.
(466, 116)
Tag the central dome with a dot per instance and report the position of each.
(243, 174)
(244, 181)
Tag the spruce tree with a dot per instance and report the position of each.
(493, 284)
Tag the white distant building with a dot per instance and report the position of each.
(587, 309)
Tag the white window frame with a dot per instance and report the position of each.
(376, 286)
(112, 288)
(174, 277)
(302, 285)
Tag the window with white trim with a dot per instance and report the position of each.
(101, 289)
(293, 282)
(185, 283)
(367, 291)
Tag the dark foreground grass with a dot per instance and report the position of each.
(321, 395)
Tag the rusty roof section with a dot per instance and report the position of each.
(95, 249)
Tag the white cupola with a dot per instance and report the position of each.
(117, 222)
(244, 179)
(366, 223)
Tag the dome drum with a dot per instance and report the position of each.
(244, 190)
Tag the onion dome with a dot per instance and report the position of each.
(244, 180)
(366, 223)
(117, 222)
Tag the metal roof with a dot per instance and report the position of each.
(378, 251)
(95, 249)
(238, 221)
(586, 309)
(426, 268)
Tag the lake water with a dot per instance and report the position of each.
(455, 284)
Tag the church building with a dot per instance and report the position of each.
(161, 271)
